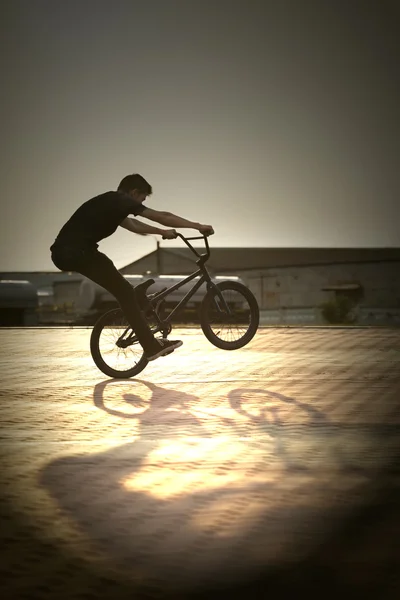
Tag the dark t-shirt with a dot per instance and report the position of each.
(97, 219)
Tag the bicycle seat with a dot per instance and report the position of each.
(142, 287)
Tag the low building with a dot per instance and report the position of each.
(292, 284)
(18, 303)
(56, 293)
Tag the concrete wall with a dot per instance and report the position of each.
(292, 295)
(313, 316)
(302, 286)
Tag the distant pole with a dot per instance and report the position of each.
(158, 258)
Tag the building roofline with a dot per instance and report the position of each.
(182, 253)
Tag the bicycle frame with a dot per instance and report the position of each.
(204, 278)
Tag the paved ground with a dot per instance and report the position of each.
(274, 467)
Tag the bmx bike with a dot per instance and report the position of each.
(229, 318)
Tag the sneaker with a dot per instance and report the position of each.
(163, 348)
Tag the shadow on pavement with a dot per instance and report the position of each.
(251, 503)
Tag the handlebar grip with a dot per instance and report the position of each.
(167, 238)
(197, 237)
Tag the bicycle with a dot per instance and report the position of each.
(226, 304)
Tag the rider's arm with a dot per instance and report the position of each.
(168, 219)
(141, 228)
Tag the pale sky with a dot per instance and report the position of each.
(275, 122)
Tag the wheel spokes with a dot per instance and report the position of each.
(229, 327)
(118, 358)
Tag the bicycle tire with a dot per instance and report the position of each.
(113, 316)
(253, 314)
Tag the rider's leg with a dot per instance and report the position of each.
(99, 268)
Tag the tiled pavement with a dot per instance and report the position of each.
(273, 467)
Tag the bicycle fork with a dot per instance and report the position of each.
(220, 300)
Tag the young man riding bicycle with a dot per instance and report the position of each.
(76, 248)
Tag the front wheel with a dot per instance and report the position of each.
(111, 353)
(229, 315)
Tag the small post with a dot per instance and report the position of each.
(158, 256)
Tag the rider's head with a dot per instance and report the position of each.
(136, 186)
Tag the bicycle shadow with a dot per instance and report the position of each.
(269, 421)
(191, 520)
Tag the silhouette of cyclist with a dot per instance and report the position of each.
(76, 249)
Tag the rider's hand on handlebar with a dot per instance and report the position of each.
(206, 229)
(169, 234)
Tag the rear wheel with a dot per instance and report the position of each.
(229, 319)
(112, 354)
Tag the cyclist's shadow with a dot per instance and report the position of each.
(90, 487)
(144, 531)
(166, 414)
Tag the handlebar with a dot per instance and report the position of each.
(197, 237)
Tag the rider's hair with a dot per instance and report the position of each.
(135, 182)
